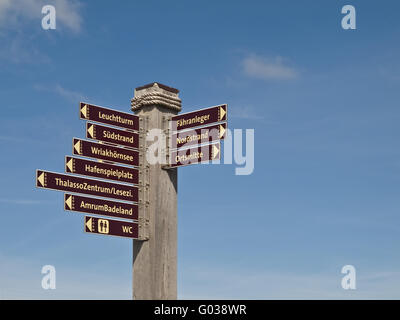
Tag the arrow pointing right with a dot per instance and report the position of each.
(221, 131)
(215, 152)
(222, 113)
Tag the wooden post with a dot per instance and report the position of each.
(155, 260)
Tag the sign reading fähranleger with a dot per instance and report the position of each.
(199, 118)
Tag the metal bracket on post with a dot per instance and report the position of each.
(144, 182)
(166, 150)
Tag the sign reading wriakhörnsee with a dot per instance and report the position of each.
(105, 152)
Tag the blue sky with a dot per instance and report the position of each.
(323, 102)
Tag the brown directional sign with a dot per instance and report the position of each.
(199, 117)
(108, 116)
(100, 207)
(111, 227)
(101, 170)
(194, 155)
(198, 136)
(105, 152)
(116, 136)
(63, 182)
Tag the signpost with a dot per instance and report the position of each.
(111, 227)
(108, 116)
(111, 135)
(105, 152)
(146, 192)
(101, 170)
(63, 182)
(102, 207)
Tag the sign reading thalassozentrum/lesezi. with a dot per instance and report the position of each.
(63, 182)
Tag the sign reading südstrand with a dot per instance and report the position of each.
(63, 182)
(115, 136)
(108, 116)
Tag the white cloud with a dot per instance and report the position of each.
(70, 95)
(15, 12)
(73, 96)
(245, 112)
(268, 69)
(21, 50)
(68, 14)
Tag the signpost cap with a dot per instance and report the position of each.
(156, 94)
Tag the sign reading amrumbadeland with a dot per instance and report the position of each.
(101, 207)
